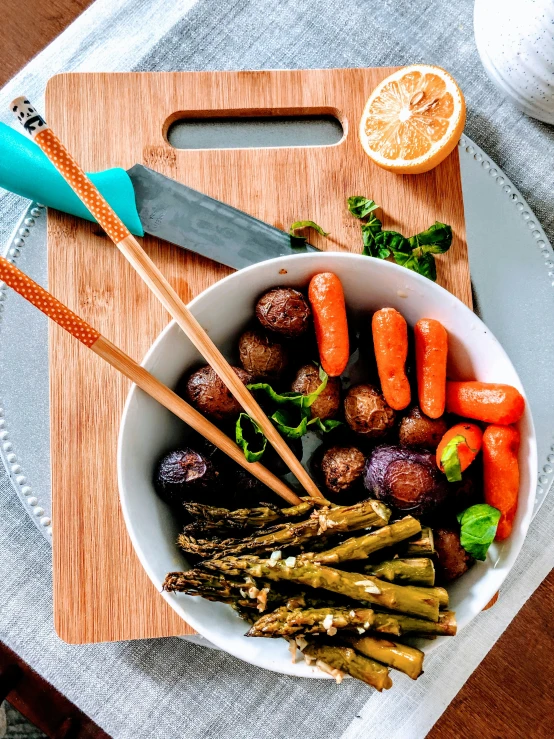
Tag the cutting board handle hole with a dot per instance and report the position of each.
(255, 129)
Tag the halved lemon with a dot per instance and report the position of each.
(413, 119)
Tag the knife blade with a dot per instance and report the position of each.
(166, 209)
(176, 213)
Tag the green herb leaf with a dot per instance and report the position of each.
(324, 426)
(248, 434)
(427, 267)
(478, 529)
(435, 240)
(290, 398)
(360, 206)
(370, 230)
(284, 423)
(450, 459)
(301, 240)
(394, 241)
(424, 265)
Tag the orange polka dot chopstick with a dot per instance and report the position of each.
(92, 339)
(43, 135)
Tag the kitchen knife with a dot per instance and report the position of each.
(148, 202)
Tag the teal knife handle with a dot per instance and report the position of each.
(26, 171)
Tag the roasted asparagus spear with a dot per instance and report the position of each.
(283, 622)
(242, 592)
(360, 547)
(441, 594)
(245, 593)
(416, 571)
(398, 624)
(211, 517)
(406, 659)
(422, 546)
(361, 587)
(332, 520)
(330, 658)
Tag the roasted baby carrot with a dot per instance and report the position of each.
(458, 448)
(501, 474)
(326, 297)
(485, 401)
(431, 351)
(390, 341)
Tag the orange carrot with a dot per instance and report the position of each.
(485, 401)
(390, 341)
(501, 474)
(467, 439)
(431, 350)
(331, 327)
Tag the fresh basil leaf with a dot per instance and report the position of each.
(297, 240)
(450, 459)
(424, 265)
(284, 423)
(290, 398)
(427, 267)
(370, 229)
(360, 206)
(406, 260)
(287, 398)
(248, 434)
(478, 529)
(394, 241)
(324, 426)
(307, 224)
(435, 240)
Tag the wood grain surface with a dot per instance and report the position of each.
(28, 26)
(93, 602)
(522, 705)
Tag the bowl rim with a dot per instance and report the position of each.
(195, 623)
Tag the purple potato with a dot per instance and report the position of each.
(405, 479)
(185, 475)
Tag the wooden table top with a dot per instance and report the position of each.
(505, 697)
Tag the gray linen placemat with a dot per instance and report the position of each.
(171, 688)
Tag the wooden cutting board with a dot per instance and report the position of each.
(101, 592)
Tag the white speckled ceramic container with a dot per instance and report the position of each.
(515, 40)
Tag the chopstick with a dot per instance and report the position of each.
(92, 339)
(47, 140)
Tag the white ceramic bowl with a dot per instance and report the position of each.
(148, 430)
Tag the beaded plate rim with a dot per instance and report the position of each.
(467, 148)
(37, 511)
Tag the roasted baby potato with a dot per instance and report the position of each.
(367, 413)
(417, 431)
(262, 356)
(405, 479)
(342, 468)
(452, 558)
(327, 404)
(285, 311)
(209, 395)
